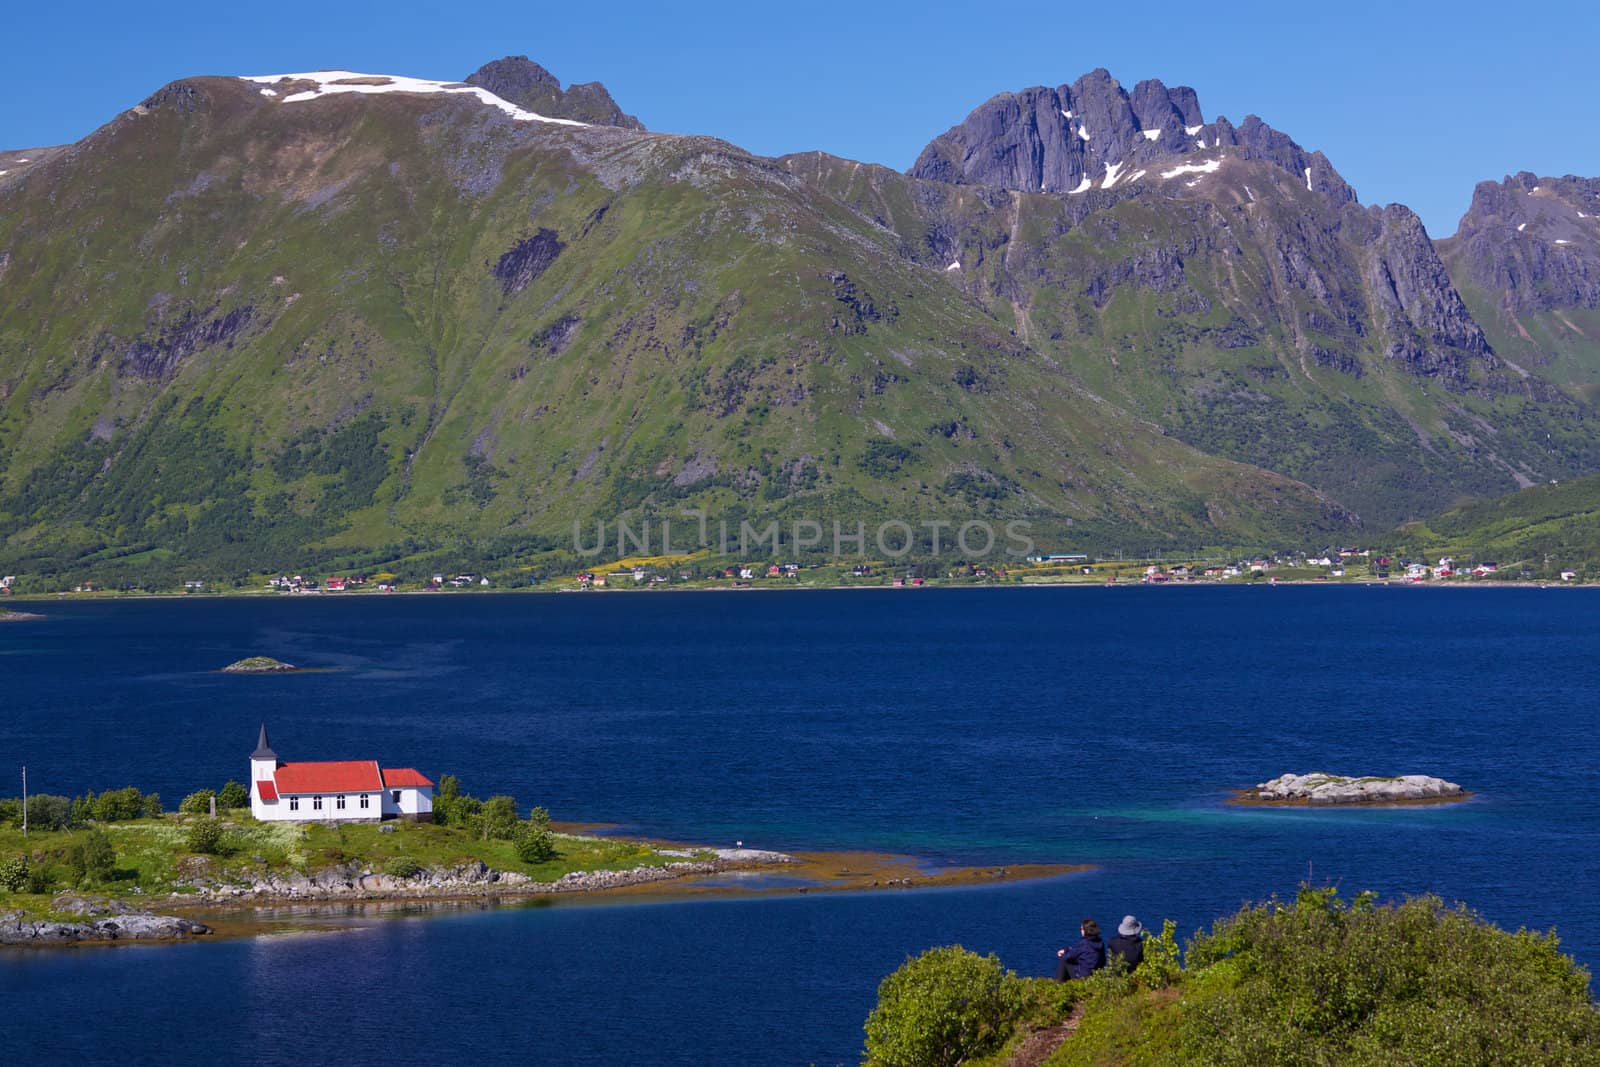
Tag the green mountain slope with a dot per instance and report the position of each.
(1255, 319)
(243, 332)
(1547, 529)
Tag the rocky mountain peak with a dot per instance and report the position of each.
(1533, 242)
(525, 83)
(1095, 133)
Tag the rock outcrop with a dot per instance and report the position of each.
(525, 83)
(1090, 133)
(1321, 788)
(359, 882)
(95, 920)
(259, 665)
(1531, 243)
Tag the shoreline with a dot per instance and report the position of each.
(1246, 798)
(326, 899)
(774, 586)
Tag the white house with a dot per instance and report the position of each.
(336, 791)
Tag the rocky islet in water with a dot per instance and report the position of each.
(1319, 788)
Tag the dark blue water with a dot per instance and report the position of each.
(1095, 726)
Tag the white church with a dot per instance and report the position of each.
(336, 791)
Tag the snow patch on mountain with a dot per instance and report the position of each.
(333, 82)
(1083, 186)
(1082, 136)
(1208, 167)
(1150, 135)
(1112, 170)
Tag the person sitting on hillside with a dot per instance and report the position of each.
(1129, 942)
(1084, 958)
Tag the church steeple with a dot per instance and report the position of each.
(263, 750)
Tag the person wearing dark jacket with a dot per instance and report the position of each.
(1129, 942)
(1084, 958)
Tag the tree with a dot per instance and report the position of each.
(535, 841)
(499, 818)
(941, 1009)
(46, 812)
(198, 802)
(152, 805)
(92, 860)
(233, 796)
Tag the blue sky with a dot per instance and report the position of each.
(1413, 102)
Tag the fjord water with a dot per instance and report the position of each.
(1097, 726)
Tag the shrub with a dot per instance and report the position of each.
(1162, 965)
(535, 842)
(118, 805)
(942, 1008)
(40, 879)
(10, 811)
(92, 860)
(499, 818)
(14, 874)
(205, 836)
(152, 805)
(233, 796)
(451, 807)
(198, 802)
(402, 867)
(46, 812)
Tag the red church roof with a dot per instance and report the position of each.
(267, 790)
(339, 776)
(395, 777)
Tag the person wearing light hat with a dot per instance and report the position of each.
(1129, 942)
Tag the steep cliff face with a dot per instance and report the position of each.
(1424, 322)
(1534, 242)
(1093, 133)
(1526, 259)
(527, 84)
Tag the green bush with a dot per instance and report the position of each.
(403, 867)
(1324, 980)
(46, 812)
(499, 818)
(14, 874)
(10, 811)
(535, 841)
(205, 836)
(942, 1008)
(93, 860)
(152, 805)
(198, 802)
(118, 805)
(233, 796)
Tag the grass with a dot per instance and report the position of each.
(153, 856)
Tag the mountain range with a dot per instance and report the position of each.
(253, 323)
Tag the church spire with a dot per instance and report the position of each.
(263, 750)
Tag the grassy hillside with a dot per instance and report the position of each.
(1548, 528)
(384, 326)
(1317, 980)
(407, 332)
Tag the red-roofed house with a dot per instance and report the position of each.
(335, 791)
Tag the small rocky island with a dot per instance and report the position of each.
(7, 615)
(259, 665)
(1320, 788)
(88, 919)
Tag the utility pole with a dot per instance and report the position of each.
(24, 802)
